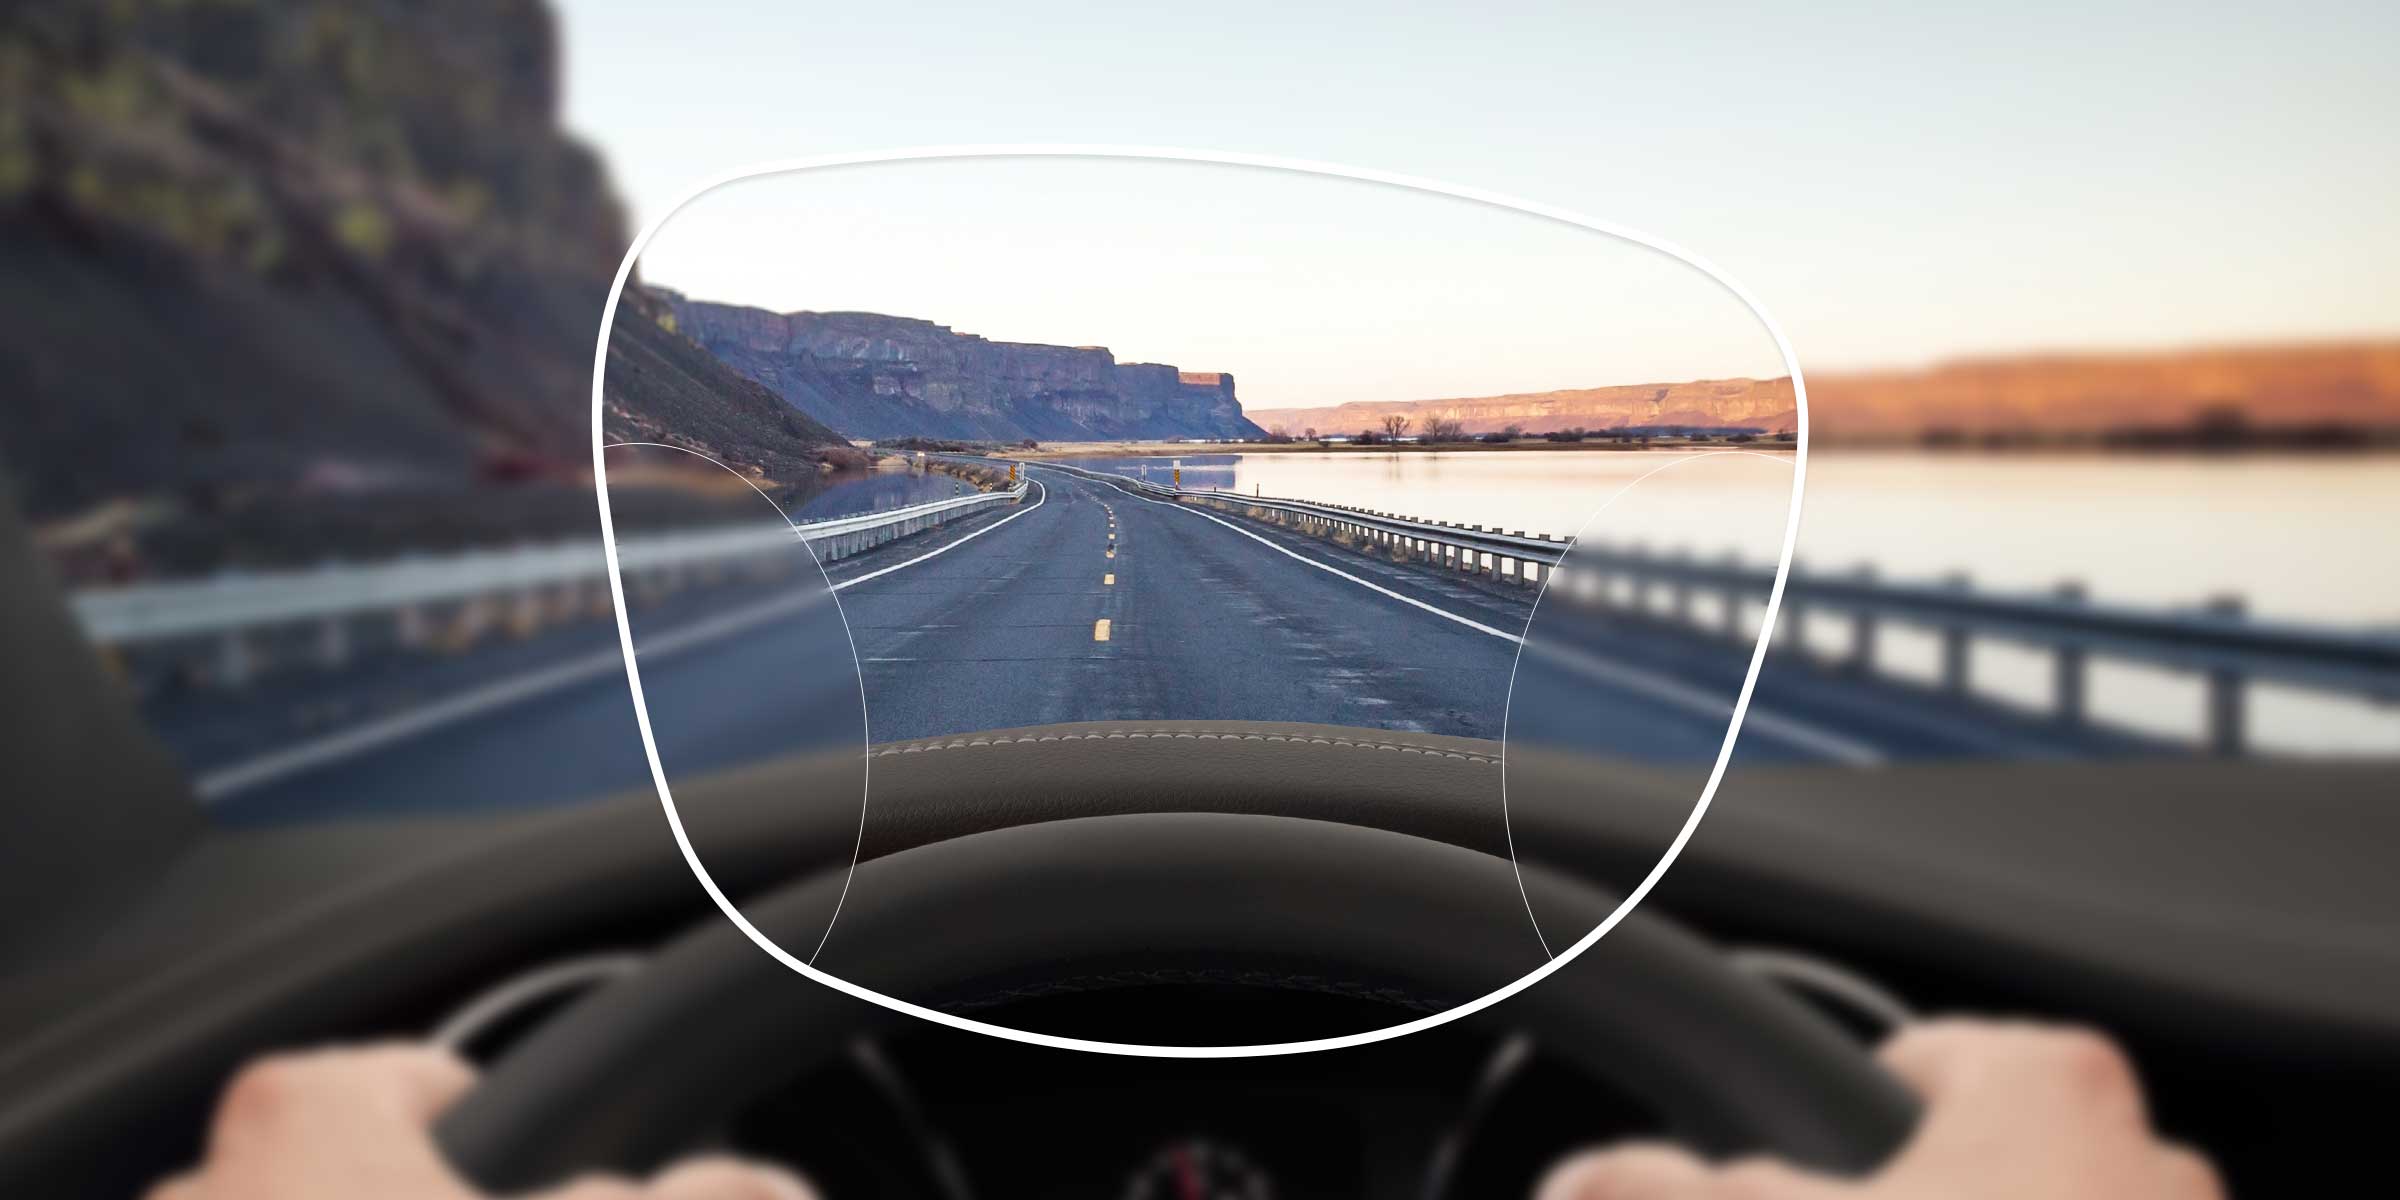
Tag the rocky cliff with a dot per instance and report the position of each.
(662, 387)
(1765, 404)
(270, 262)
(874, 376)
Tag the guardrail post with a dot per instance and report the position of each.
(525, 612)
(1957, 657)
(333, 642)
(2068, 669)
(1639, 580)
(1862, 627)
(408, 626)
(2227, 719)
(235, 663)
(1735, 627)
(1679, 587)
(1791, 619)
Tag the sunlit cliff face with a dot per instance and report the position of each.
(872, 375)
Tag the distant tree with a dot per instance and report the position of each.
(1279, 434)
(1395, 427)
(1029, 444)
(1368, 437)
(1512, 431)
(1309, 433)
(1443, 429)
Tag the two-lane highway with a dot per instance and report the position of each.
(1106, 605)
(1089, 602)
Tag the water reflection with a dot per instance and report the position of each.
(2298, 537)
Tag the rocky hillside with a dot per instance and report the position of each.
(873, 376)
(1764, 404)
(662, 387)
(264, 263)
(2350, 385)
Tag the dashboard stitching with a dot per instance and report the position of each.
(1197, 735)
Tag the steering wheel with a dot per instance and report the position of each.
(1096, 890)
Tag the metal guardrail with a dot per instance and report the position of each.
(230, 605)
(1467, 548)
(2217, 641)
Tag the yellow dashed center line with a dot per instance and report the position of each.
(1100, 630)
(1108, 580)
(1112, 551)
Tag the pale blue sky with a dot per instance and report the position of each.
(1897, 184)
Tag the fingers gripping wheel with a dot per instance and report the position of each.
(1735, 1065)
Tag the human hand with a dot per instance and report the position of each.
(2011, 1111)
(357, 1122)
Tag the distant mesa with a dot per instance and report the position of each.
(2325, 386)
(2277, 392)
(1764, 404)
(875, 376)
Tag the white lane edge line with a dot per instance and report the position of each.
(223, 782)
(333, 747)
(1830, 744)
(855, 580)
(1370, 585)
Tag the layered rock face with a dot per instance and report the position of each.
(262, 261)
(1765, 404)
(269, 240)
(875, 376)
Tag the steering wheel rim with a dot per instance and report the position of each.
(1272, 901)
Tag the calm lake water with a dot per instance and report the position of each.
(2303, 537)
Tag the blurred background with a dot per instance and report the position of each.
(2095, 309)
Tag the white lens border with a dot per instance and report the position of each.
(633, 674)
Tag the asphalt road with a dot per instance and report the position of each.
(1089, 603)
